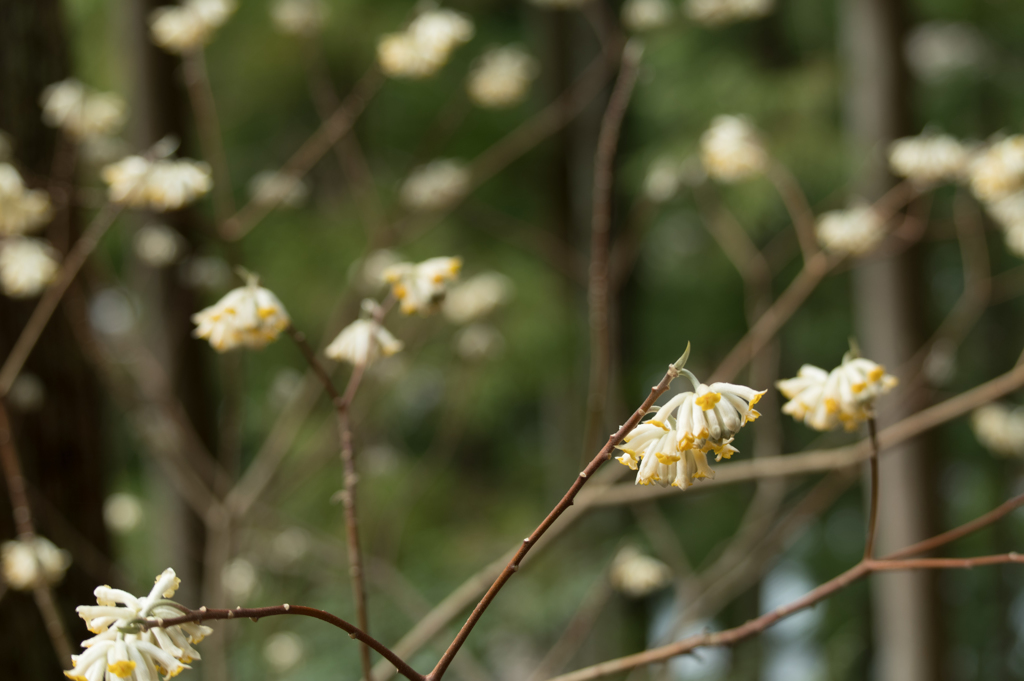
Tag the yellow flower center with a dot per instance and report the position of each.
(122, 669)
(831, 406)
(667, 458)
(858, 388)
(876, 373)
(708, 400)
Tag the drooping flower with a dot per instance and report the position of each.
(853, 231)
(22, 210)
(844, 396)
(299, 17)
(435, 186)
(273, 188)
(929, 159)
(501, 78)
(122, 649)
(160, 185)
(730, 150)
(1000, 428)
(421, 287)
(190, 25)
(27, 266)
(362, 342)
(646, 15)
(249, 316)
(26, 564)
(637, 574)
(476, 297)
(425, 45)
(80, 111)
(998, 171)
(721, 12)
(672, 446)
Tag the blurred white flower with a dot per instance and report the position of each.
(636, 574)
(273, 188)
(122, 512)
(299, 17)
(100, 150)
(425, 45)
(123, 651)
(731, 151)
(559, 4)
(283, 650)
(22, 210)
(80, 111)
(929, 159)
(27, 393)
(249, 316)
(362, 342)
(157, 245)
(646, 15)
(501, 77)
(190, 25)
(999, 428)
(285, 386)
(476, 297)
(662, 180)
(854, 231)
(476, 342)
(206, 272)
(721, 12)
(421, 287)
(825, 399)
(26, 564)
(435, 186)
(111, 312)
(290, 545)
(160, 185)
(373, 266)
(936, 49)
(998, 171)
(27, 266)
(239, 579)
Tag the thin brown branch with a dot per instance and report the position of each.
(204, 109)
(312, 150)
(978, 523)
(869, 543)
(206, 615)
(945, 563)
(46, 306)
(796, 204)
(598, 288)
(513, 565)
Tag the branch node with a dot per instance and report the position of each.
(583, 474)
(287, 607)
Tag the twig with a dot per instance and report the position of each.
(869, 544)
(341, 407)
(204, 108)
(205, 615)
(597, 289)
(44, 309)
(513, 565)
(25, 528)
(962, 531)
(796, 204)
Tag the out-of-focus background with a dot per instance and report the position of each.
(469, 436)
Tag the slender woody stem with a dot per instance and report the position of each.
(869, 544)
(204, 107)
(46, 306)
(558, 510)
(205, 614)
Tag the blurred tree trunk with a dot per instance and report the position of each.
(59, 442)
(889, 306)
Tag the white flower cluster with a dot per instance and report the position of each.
(27, 266)
(666, 175)
(275, 188)
(122, 649)
(248, 316)
(730, 150)
(672, 446)
(421, 287)
(26, 564)
(22, 210)
(646, 15)
(160, 184)
(1000, 428)
(929, 159)
(190, 25)
(477, 297)
(721, 12)
(80, 111)
(501, 77)
(425, 45)
(825, 399)
(435, 186)
(299, 17)
(997, 180)
(854, 231)
(363, 341)
(636, 574)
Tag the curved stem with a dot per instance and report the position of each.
(869, 544)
